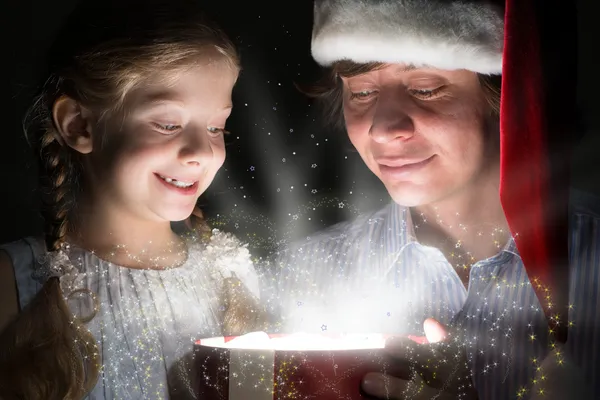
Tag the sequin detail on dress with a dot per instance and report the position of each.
(147, 320)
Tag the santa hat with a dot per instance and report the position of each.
(441, 34)
(489, 37)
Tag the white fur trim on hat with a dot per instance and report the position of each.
(444, 34)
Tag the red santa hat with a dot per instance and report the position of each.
(441, 34)
(488, 37)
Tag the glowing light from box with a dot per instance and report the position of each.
(300, 342)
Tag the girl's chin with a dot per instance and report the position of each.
(178, 214)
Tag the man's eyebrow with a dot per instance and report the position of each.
(408, 67)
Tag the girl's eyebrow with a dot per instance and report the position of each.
(164, 97)
(167, 98)
(161, 102)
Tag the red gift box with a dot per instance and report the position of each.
(231, 373)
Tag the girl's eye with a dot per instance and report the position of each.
(217, 131)
(425, 94)
(167, 128)
(362, 95)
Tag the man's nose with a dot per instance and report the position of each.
(392, 120)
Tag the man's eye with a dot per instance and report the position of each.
(362, 95)
(425, 94)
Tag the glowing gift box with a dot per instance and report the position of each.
(258, 366)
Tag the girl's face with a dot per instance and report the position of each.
(164, 152)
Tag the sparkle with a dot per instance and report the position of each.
(140, 306)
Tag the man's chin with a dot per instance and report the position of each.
(410, 195)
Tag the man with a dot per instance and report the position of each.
(416, 86)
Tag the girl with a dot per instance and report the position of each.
(129, 129)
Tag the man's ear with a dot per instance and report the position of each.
(74, 123)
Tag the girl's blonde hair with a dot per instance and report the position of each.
(106, 49)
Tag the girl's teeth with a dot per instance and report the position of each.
(175, 182)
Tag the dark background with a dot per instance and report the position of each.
(285, 175)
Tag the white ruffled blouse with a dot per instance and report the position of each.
(147, 320)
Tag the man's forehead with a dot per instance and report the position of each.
(348, 70)
(404, 67)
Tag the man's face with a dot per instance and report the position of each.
(421, 131)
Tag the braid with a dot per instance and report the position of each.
(62, 361)
(57, 193)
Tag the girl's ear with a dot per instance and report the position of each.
(74, 124)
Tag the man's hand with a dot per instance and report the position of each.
(439, 366)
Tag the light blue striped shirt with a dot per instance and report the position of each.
(371, 275)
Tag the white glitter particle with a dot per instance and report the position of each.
(142, 307)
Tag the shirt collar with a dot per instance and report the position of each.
(399, 217)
